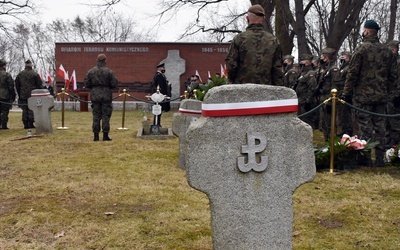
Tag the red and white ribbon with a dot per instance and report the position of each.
(250, 108)
(40, 94)
(189, 111)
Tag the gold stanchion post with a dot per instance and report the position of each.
(333, 130)
(62, 110)
(123, 111)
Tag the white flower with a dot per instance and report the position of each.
(389, 154)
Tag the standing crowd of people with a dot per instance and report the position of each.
(366, 78)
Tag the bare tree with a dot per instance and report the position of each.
(14, 10)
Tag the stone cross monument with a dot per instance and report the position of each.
(189, 111)
(175, 67)
(41, 102)
(249, 152)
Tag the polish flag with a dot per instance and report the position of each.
(61, 72)
(223, 70)
(197, 73)
(66, 79)
(49, 78)
(73, 80)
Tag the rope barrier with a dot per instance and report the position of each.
(12, 103)
(368, 112)
(312, 110)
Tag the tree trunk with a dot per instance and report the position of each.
(282, 22)
(392, 23)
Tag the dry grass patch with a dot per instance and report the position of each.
(64, 191)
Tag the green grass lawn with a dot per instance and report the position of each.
(64, 191)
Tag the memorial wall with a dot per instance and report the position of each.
(135, 63)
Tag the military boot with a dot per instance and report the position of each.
(4, 126)
(26, 126)
(105, 137)
(30, 124)
(96, 137)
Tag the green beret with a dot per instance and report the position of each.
(393, 43)
(288, 57)
(347, 53)
(306, 57)
(328, 51)
(371, 24)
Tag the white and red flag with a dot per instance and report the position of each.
(66, 79)
(49, 79)
(197, 74)
(223, 70)
(61, 72)
(73, 80)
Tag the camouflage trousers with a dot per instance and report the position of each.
(393, 126)
(27, 114)
(4, 111)
(345, 119)
(372, 126)
(101, 112)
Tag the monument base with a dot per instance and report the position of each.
(122, 128)
(165, 133)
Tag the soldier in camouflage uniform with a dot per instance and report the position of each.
(101, 80)
(327, 79)
(7, 94)
(393, 105)
(255, 55)
(373, 68)
(344, 113)
(26, 81)
(290, 77)
(305, 88)
(288, 61)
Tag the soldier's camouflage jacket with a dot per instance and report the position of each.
(328, 79)
(101, 80)
(7, 91)
(372, 70)
(306, 85)
(26, 81)
(255, 56)
(290, 78)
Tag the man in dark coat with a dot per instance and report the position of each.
(26, 81)
(101, 80)
(161, 83)
(7, 94)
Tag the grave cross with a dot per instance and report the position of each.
(248, 153)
